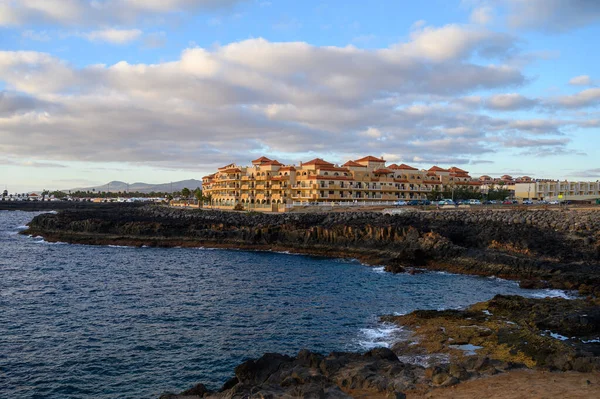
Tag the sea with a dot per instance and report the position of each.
(81, 321)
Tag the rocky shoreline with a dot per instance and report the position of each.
(541, 248)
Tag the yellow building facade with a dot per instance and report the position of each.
(270, 185)
(550, 190)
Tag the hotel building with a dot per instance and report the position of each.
(270, 185)
(550, 190)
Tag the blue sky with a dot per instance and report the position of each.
(156, 91)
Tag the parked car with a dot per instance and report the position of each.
(474, 202)
(555, 202)
(400, 203)
(527, 202)
(507, 202)
(424, 202)
(413, 202)
(446, 202)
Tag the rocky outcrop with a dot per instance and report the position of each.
(337, 375)
(549, 333)
(488, 338)
(550, 248)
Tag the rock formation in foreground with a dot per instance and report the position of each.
(488, 338)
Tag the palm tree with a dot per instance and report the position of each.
(209, 198)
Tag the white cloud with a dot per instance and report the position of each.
(373, 132)
(96, 12)
(291, 98)
(510, 102)
(456, 41)
(114, 36)
(581, 80)
(585, 98)
(482, 15)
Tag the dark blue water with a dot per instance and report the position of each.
(101, 322)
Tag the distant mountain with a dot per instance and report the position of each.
(116, 186)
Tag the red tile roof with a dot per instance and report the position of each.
(406, 167)
(354, 164)
(261, 160)
(273, 162)
(370, 158)
(288, 168)
(437, 169)
(458, 170)
(317, 162)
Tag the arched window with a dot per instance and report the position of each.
(326, 173)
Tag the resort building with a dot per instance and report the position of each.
(270, 185)
(550, 190)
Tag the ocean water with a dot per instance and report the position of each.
(111, 322)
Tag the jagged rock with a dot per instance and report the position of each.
(484, 242)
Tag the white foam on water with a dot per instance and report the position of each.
(44, 242)
(379, 269)
(468, 349)
(214, 249)
(385, 334)
(555, 335)
(503, 280)
(590, 341)
(22, 227)
(120, 246)
(286, 253)
(553, 293)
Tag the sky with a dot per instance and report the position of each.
(164, 90)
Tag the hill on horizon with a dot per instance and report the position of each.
(116, 186)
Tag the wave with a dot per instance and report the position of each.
(120, 246)
(590, 341)
(553, 293)
(42, 241)
(555, 335)
(379, 269)
(385, 334)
